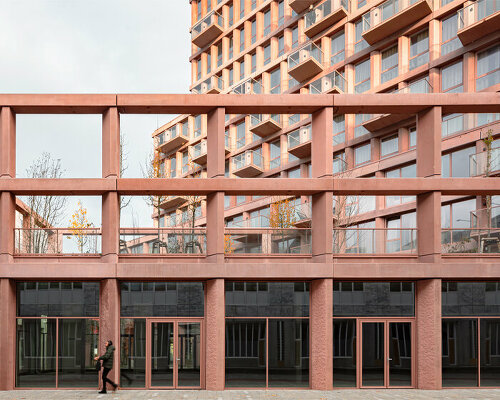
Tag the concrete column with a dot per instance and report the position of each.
(7, 333)
(7, 143)
(109, 321)
(111, 143)
(321, 334)
(215, 335)
(428, 333)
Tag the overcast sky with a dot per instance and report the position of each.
(92, 46)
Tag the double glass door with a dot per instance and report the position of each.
(174, 353)
(386, 353)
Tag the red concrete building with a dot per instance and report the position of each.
(386, 272)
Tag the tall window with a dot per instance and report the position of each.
(242, 70)
(362, 76)
(253, 4)
(413, 137)
(198, 10)
(362, 154)
(452, 78)
(242, 8)
(275, 79)
(281, 46)
(359, 43)
(339, 163)
(230, 48)
(488, 68)
(389, 146)
(337, 48)
(456, 163)
(231, 76)
(209, 6)
(281, 12)
(173, 167)
(267, 54)
(197, 126)
(408, 171)
(253, 59)
(231, 15)
(449, 39)
(209, 62)
(240, 135)
(253, 32)
(400, 235)
(185, 162)
(275, 154)
(242, 39)
(338, 129)
(389, 64)
(198, 69)
(419, 49)
(359, 120)
(295, 37)
(219, 54)
(267, 22)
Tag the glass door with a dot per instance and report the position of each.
(373, 354)
(188, 354)
(162, 354)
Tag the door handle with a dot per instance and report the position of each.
(389, 359)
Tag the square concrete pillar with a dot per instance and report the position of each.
(111, 143)
(110, 227)
(109, 321)
(321, 334)
(8, 223)
(428, 333)
(7, 143)
(215, 334)
(7, 333)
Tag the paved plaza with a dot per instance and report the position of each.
(253, 394)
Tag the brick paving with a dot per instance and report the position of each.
(464, 394)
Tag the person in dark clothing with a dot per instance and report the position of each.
(107, 365)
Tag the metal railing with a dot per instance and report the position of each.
(163, 241)
(384, 11)
(480, 163)
(470, 240)
(250, 86)
(57, 241)
(249, 157)
(210, 19)
(209, 84)
(375, 241)
(199, 149)
(256, 119)
(486, 218)
(328, 82)
(476, 11)
(299, 136)
(305, 53)
(267, 241)
(324, 10)
(420, 86)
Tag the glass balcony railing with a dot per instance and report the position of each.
(476, 11)
(163, 241)
(57, 241)
(304, 54)
(207, 29)
(471, 240)
(383, 12)
(374, 241)
(248, 158)
(488, 217)
(268, 241)
(299, 137)
(482, 163)
(257, 119)
(264, 125)
(198, 152)
(420, 86)
(332, 82)
(327, 13)
(214, 84)
(250, 86)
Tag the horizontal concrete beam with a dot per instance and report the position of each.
(58, 103)
(252, 186)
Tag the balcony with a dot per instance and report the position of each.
(478, 20)
(162, 241)
(379, 121)
(198, 152)
(264, 125)
(334, 82)
(324, 16)
(57, 241)
(375, 241)
(213, 85)
(167, 202)
(207, 29)
(171, 139)
(299, 142)
(250, 86)
(248, 164)
(482, 163)
(300, 5)
(470, 240)
(267, 241)
(391, 16)
(302, 215)
(305, 63)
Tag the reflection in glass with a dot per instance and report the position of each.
(344, 353)
(162, 354)
(373, 354)
(459, 350)
(288, 353)
(246, 353)
(189, 343)
(133, 352)
(78, 345)
(400, 354)
(36, 353)
(490, 352)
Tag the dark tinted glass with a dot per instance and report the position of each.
(344, 353)
(267, 299)
(36, 353)
(373, 351)
(133, 352)
(58, 299)
(288, 353)
(246, 353)
(490, 352)
(373, 299)
(459, 348)
(470, 298)
(162, 299)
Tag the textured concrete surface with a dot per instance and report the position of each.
(253, 394)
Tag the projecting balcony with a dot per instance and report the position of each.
(334, 82)
(248, 164)
(375, 241)
(171, 139)
(198, 152)
(264, 125)
(391, 16)
(305, 63)
(250, 86)
(213, 85)
(477, 20)
(484, 163)
(379, 121)
(302, 215)
(207, 29)
(299, 142)
(168, 202)
(300, 5)
(324, 16)
(470, 240)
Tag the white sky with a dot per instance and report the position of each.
(92, 46)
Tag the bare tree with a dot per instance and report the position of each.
(124, 201)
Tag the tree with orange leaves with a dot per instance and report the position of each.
(79, 225)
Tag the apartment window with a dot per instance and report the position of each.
(240, 135)
(486, 118)
(444, 2)
(389, 146)
(338, 129)
(267, 22)
(275, 154)
(198, 10)
(242, 40)
(253, 64)
(242, 8)
(449, 39)
(253, 4)
(452, 78)
(359, 42)
(226, 167)
(401, 235)
(389, 64)
(275, 78)
(209, 6)
(240, 199)
(219, 54)
(209, 63)
(231, 15)
(454, 217)
(451, 124)
(362, 76)
(230, 51)
(362, 154)
(295, 37)
(185, 129)
(361, 3)
(281, 13)
(408, 171)
(355, 205)
(198, 69)
(488, 68)
(267, 54)
(231, 77)
(242, 70)
(413, 137)
(419, 49)
(337, 48)
(185, 162)
(173, 167)
(359, 120)
(197, 126)
(292, 82)
(456, 163)
(253, 32)
(281, 46)
(339, 163)
(294, 173)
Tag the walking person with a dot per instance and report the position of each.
(107, 365)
